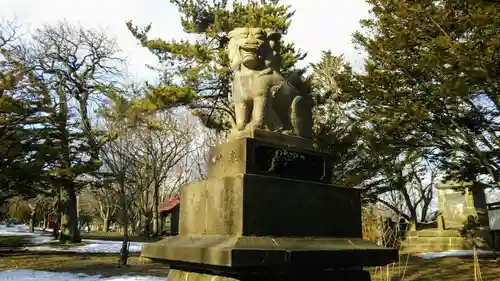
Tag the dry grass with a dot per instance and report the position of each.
(394, 271)
(413, 268)
(96, 264)
(13, 242)
(370, 224)
(453, 268)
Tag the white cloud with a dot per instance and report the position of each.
(317, 25)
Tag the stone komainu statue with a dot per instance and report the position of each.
(263, 98)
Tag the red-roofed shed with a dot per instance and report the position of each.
(171, 206)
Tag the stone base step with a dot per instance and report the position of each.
(252, 252)
(434, 244)
(424, 248)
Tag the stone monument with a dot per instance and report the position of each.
(268, 210)
(263, 98)
(458, 200)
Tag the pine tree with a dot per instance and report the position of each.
(77, 65)
(196, 72)
(336, 131)
(432, 83)
(25, 118)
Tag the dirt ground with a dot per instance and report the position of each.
(91, 264)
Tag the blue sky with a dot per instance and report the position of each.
(308, 29)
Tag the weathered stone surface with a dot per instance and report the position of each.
(262, 97)
(433, 247)
(455, 207)
(269, 206)
(433, 240)
(277, 138)
(494, 217)
(433, 233)
(457, 200)
(259, 157)
(268, 253)
(450, 239)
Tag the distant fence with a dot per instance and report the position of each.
(383, 231)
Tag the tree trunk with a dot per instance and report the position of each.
(105, 224)
(63, 232)
(425, 209)
(156, 216)
(124, 249)
(32, 221)
(57, 226)
(57, 220)
(411, 207)
(45, 222)
(147, 225)
(136, 224)
(58, 215)
(66, 184)
(74, 231)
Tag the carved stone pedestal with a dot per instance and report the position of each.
(268, 212)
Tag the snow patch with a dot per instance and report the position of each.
(454, 253)
(38, 237)
(33, 275)
(95, 246)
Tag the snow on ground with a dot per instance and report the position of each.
(454, 253)
(32, 275)
(95, 246)
(39, 238)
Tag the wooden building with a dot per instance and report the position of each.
(169, 213)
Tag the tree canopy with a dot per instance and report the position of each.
(25, 121)
(431, 83)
